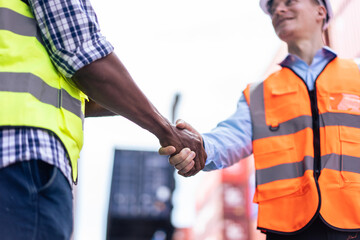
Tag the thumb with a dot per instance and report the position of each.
(167, 150)
(181, 124)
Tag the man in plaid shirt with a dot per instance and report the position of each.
(35, 174)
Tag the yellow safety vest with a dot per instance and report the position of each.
(32, 92)
(306, 148)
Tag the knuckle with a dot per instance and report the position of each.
(187, 168)
(179, 166)
(172, 161)
(183, 153)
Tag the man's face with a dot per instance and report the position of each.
(295, 19)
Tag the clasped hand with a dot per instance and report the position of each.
(186, 150)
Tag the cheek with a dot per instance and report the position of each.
(272, 22)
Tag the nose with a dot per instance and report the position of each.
(279, 9)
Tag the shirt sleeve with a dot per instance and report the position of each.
(71, 33)
(231, 140)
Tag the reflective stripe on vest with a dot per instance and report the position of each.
(19, 24)
(32, 92)
(29, 83)
(284, 155)
(287, 171)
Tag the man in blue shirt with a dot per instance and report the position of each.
(299, 23)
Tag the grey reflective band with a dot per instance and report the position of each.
(29, 83)
(71, 104)
(339, 119)
(289, 127)
(300, 123)
(350, 164)
(257, 107)
(341, 163)
(284, 171)
(19, 24)
(294, 170)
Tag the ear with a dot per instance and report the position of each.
(321, 13)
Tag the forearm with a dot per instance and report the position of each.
(92, 109)
(108, 83)
(224, 150)
(231, 140)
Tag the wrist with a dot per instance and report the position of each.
(159, 126)
(163, 131)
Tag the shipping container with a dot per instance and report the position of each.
(140, 198)
(222, 204)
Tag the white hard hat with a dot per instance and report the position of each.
(326, 3)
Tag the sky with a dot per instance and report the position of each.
(206, 50)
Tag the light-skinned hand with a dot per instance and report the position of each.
(187, 162)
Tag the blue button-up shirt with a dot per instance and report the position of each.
(231, 140)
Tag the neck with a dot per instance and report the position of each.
(306, 49)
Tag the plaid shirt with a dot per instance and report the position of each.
(71, 35)
(24, 144)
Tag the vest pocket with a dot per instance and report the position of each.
(344, 102)
(277, 170)
(283, 104)
(349, 157)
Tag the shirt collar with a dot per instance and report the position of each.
(324, 53)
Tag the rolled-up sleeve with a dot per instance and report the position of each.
(231, 140)
(71, 33)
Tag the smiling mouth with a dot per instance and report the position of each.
(282, 20)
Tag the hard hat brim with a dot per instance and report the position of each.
(330, 14)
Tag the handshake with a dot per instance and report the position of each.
(185, 147)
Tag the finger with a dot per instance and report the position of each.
(190, 173)
(203, 158)
(187, 168)
(180, 157)
(167, 150)
(180, 124)
(197, 165)
(184, 175)
(180, 166)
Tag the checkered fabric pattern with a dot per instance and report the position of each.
(24, 144)
(71, 33)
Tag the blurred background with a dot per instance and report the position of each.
(199, 54)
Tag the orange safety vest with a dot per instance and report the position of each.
(306, 146)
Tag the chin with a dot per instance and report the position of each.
(285, 35)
